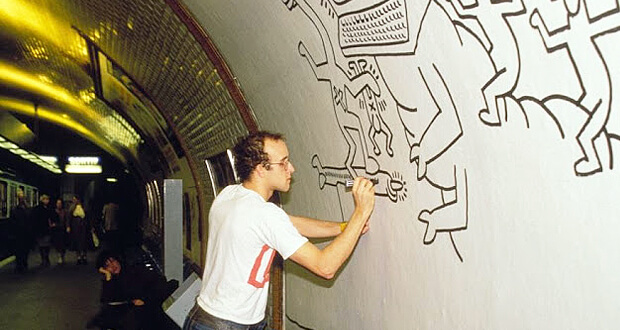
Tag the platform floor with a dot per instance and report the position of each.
(58, 297)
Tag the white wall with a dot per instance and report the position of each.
(483, 221)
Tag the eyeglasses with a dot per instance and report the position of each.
(285, 163)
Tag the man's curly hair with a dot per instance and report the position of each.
(250, 152)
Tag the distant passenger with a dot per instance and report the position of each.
(42, 215)
(79, 228)
(110, 223)
(20, 225)
(245, 231)
(59, 235)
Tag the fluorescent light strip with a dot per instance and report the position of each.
(50, 159)
(8, 145)
(83, 169)
(47, 162)
(83, 160)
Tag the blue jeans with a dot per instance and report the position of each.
(198, 319)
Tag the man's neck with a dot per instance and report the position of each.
(261, 190)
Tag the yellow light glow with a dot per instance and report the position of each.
(87, 96)
(40, 20)
(83, 169)
(50, 115)
(12, 76)
(111, 179)
(44, 79)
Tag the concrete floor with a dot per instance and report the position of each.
(59, 297)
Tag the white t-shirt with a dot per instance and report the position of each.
(245, 232)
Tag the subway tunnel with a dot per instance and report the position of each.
(488, 127)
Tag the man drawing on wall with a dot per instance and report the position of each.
(245, 231)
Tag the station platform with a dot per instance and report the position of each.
(57, 297)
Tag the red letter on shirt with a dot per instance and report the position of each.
(253, 280)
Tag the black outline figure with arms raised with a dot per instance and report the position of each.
(503, 51)
(578, 37)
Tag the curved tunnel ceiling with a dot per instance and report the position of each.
(45, 64)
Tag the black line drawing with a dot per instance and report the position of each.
(374, 107)
(427, 146)
(393, 45)
(290, 4)
(577, 35)
(382, 27)
(354, 90)
(391, 185)
(342, 87)
(502, 48)
(432, 126)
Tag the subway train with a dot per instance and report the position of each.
(489, 128)
(8, 195)
(8, 199)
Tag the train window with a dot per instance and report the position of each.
(20, 190)
(4, 199)
(221, 171)
(31, 199)
(12, 195)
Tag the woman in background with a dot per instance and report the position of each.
(79, 228)
(58, 228)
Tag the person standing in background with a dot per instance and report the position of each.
(58, 230)
(79, 228)
(110, 223)
(42, 215)
(21, 232)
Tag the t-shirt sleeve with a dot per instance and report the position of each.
(280, 233)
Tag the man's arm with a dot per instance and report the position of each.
(313, 228)
(326, 262)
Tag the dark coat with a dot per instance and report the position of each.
(21, 228)
(135, 282)
(42, 216)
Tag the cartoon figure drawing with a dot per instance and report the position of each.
(431, 120)
(577, 36)
(342, 87)
(374, 107)
(433, 161)
(503, 50)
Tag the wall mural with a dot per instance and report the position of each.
(397, 57)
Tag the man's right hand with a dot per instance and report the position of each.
(364, 196)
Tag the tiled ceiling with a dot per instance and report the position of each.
(44, 59)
